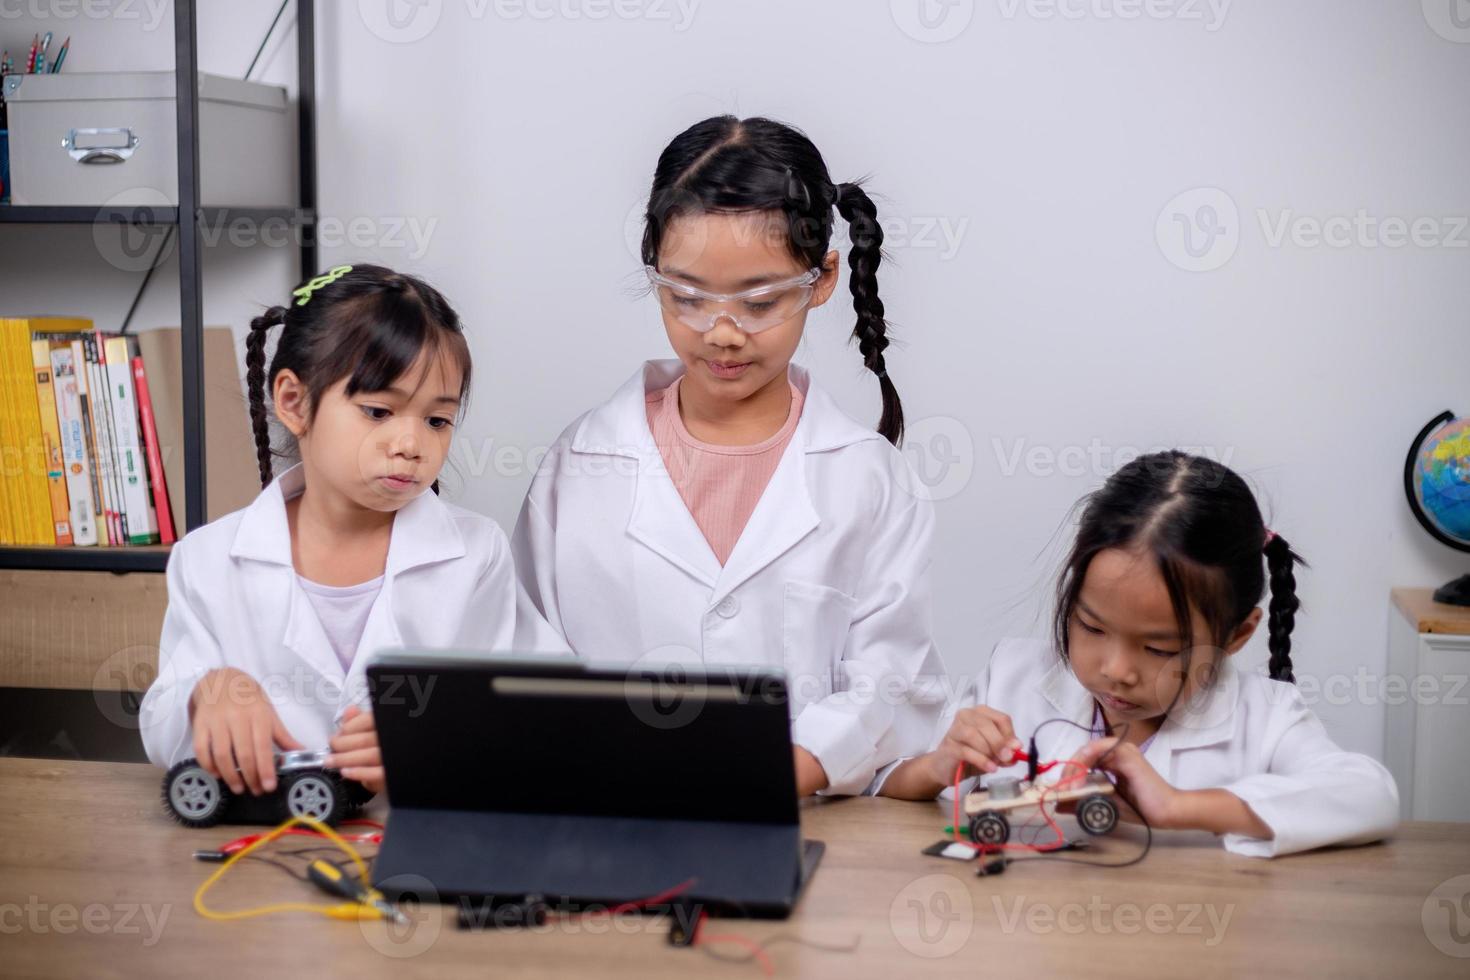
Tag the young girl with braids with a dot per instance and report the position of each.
(274, 610)
(1159, 592)
(720, 508)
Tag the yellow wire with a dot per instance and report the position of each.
(341, 910)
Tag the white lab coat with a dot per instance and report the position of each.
(234, 601)
(1247, 734)
(829, 580)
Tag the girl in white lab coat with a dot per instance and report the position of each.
(274, 610)
(720, 508)
(1159, 592)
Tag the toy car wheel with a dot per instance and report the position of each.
(193, 796)
(989, 827)
(313, 794)
(1097, 815)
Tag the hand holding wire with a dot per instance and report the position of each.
(981, 739)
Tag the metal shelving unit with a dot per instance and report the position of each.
(190, 218)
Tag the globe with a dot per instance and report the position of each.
(1437, 483)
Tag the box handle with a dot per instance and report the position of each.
(116, 150)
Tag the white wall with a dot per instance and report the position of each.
(1053, 319)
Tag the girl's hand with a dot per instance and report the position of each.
(981, 738)
(1166, 808)
(355, 750)
(1138, 782)
(235, 730)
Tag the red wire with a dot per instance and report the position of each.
(240, 843)
(959, 771)
(662, 896)
(756, 949)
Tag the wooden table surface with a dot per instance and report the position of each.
(96, 881)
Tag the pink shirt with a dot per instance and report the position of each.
(719, 484)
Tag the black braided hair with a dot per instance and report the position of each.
(730, 164)
(255, 385)
(871, 331)
(369, 325)
(1281, 613)
(1201, 524)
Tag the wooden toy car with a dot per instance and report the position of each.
(989, 808)
(304, 787)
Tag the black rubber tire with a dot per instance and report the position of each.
(193, 797)
(989, 827)
(313, 793)
(1097, 815)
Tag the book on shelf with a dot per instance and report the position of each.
(232, 480)
(91, 433)
(81, 458)
(51, 442)
(73, 442)
(95, 408)
(132, 471)
(153, 454)
(27, 515)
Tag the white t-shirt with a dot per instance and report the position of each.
(343, 611)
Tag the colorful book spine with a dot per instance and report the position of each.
(132, 471)
(103, 460)
(51, 440)
(101, 517)
(104, 419)
(27, 517)
(154, 455)
(21, 380)
(11, 520)
(71, 415)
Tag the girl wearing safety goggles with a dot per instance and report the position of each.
(720, 507)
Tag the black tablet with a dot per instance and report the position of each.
(588, 785)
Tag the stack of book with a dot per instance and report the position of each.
(80, 461)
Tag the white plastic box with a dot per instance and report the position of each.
(110, 138)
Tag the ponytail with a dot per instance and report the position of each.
(871, 330)
(255, 385)
(1280, 560)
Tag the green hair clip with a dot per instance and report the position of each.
(326, 279)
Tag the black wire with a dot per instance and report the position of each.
(298, 875)
(1086, 728)
(298, 852)
(279, 11)
(1148, 843)
(317, 849)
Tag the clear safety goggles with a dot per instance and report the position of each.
(752, 311)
